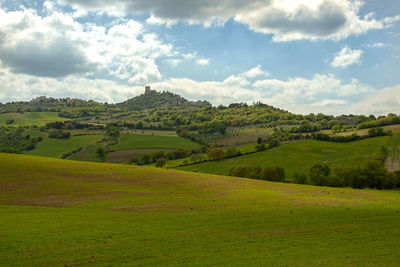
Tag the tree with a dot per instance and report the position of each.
(196, 158)
(101, 152)
(319, 174)
(259, 140)
(161, 162)
(273, 173)
(300, 177)
(216, 153)
(335, 128)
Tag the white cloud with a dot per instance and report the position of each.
(381, 102)
(377, 45)
(347, 57)
(25, 87)
(321, 93)
(203, 61)
(255, 72)
(189, 56)
(174, 62)
(286, 19)
(57, 46)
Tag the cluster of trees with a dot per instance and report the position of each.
(155, 157)
(15, 140)
(269, 173)
(372, 174)
(381, 121)
(59, 134)
(374, 132)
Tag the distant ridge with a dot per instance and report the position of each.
(153, 99)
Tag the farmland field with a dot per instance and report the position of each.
(135, 141)
(105, 214)
(30, 118)
(50, 147)
(301, 155)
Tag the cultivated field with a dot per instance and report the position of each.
(50, 147)
(301, 155)
(105, 214)
(135, 141)
(30, 118)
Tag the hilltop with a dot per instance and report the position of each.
(153, 99)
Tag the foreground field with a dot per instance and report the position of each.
(301, 155)
(59, 212)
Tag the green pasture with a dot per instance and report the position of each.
(50, 147)
(84, 213)
(301, 155)
(88, 153)
(136, 141)
(30, 118)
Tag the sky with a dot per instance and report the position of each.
(304, 56)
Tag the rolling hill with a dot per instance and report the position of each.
(153, 99)
(84, 213)
(300, 156)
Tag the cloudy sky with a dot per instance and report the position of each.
(330, 56)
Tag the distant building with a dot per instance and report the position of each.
(147, 89)
(39, 99)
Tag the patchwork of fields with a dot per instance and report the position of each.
(84, 213)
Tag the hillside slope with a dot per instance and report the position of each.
(58, 212)
(301, 155)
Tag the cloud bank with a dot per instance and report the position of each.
(287, 20)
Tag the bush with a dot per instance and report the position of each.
(238, 171)
(59, 134)
(300, 177)
(273, 173)
(261, 147)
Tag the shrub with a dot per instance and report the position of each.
(273, 173)
(261, 147)
(300, 177)
(59, 134)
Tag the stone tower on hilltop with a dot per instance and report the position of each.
(147, 90)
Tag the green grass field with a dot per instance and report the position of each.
(30, 118)
(105, 214)
(301, 155)
(135, 141)
(50, 147)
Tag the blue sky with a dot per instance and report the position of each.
(330, 56)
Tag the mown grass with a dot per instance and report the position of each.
(30, 118)
(50, 147)
(301, 155)
(87, 213)
(136, 141)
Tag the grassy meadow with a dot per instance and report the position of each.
(30, 118)
(84, 213)
(300, 156)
